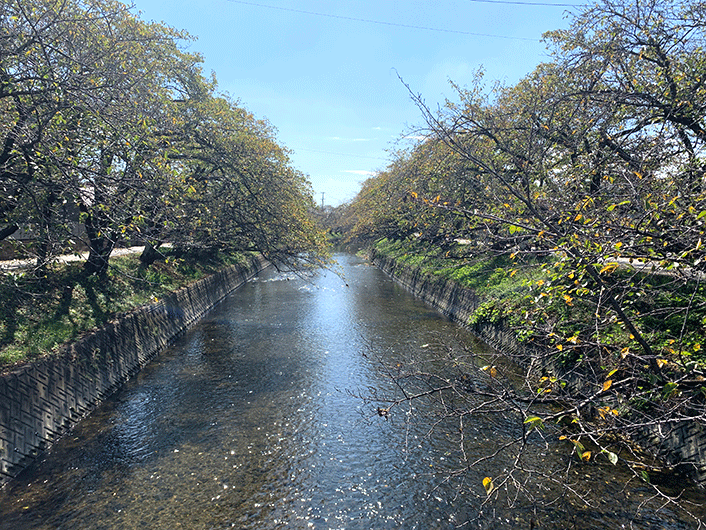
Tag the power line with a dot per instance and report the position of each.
(383, 23)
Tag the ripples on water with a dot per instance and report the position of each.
(251, 421)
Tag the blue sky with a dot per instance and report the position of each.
(325, 72)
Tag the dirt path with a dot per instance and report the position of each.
(16, 264)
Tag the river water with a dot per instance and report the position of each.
(264, 416)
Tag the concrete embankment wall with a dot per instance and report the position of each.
(679, 443)
(43, 400)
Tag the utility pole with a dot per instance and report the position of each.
(322, 200)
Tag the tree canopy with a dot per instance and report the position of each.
(110, 134)
(593, 158)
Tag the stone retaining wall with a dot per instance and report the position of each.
(681, 444)
(42, 401)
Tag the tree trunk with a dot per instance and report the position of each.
(8, 231)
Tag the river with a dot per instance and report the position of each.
(264, 416)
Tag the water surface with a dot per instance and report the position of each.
(258, 419)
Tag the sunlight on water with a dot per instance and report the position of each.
(255, 420)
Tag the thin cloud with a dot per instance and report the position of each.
(359, 172)
(339, 139)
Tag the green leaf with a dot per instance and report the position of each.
(534, 422)
(580, 449)
(669, 390)
(611, 456)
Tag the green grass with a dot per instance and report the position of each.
(550, 303)
(41, 314)
(487, 275)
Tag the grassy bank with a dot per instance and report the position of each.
(556, 307)
(42, 312)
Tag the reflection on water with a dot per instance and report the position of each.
(252, 421)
